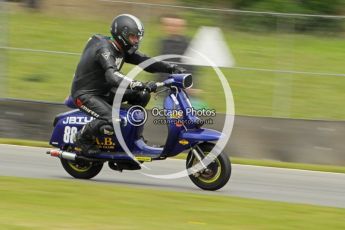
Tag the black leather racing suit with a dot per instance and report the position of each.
(98, 72)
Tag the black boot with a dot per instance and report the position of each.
(107, 129)
(86, 142)
(140, 134)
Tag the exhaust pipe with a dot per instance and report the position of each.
(62, 154)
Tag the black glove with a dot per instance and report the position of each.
(177, 69)
(137, 85)
(151, 86)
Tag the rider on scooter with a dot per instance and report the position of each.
(99, 70)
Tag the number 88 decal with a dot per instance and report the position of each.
(69, 134)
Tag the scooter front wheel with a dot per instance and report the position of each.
(215, 175)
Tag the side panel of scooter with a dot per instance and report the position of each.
(66, 125)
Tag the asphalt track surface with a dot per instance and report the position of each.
(287, 185)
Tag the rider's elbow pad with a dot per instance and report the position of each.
(114, 77)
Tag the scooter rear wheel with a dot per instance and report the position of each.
(217, 173)
(82, 169)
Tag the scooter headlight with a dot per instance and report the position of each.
(184, 81)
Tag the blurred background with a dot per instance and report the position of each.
(288, 58)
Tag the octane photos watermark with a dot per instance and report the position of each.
(137, 116)
(191, 116)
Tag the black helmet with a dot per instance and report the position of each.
(127, 30)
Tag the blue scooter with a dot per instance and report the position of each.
(184, 134)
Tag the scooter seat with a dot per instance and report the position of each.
(70, 103)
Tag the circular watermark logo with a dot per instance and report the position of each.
(136, 115)
(227, 127)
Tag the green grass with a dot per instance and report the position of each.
(48, 77)
(234, 160)
(281, 164)
(290, 165)
(60, 204)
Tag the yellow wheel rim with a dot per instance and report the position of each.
(214, 177)
(78, 168)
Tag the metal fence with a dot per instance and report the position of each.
(287, 65)
(3, 43)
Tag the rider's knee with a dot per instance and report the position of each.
(144, 98)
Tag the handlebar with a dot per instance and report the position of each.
(167, 83)
(160, 84)
(183, 81)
